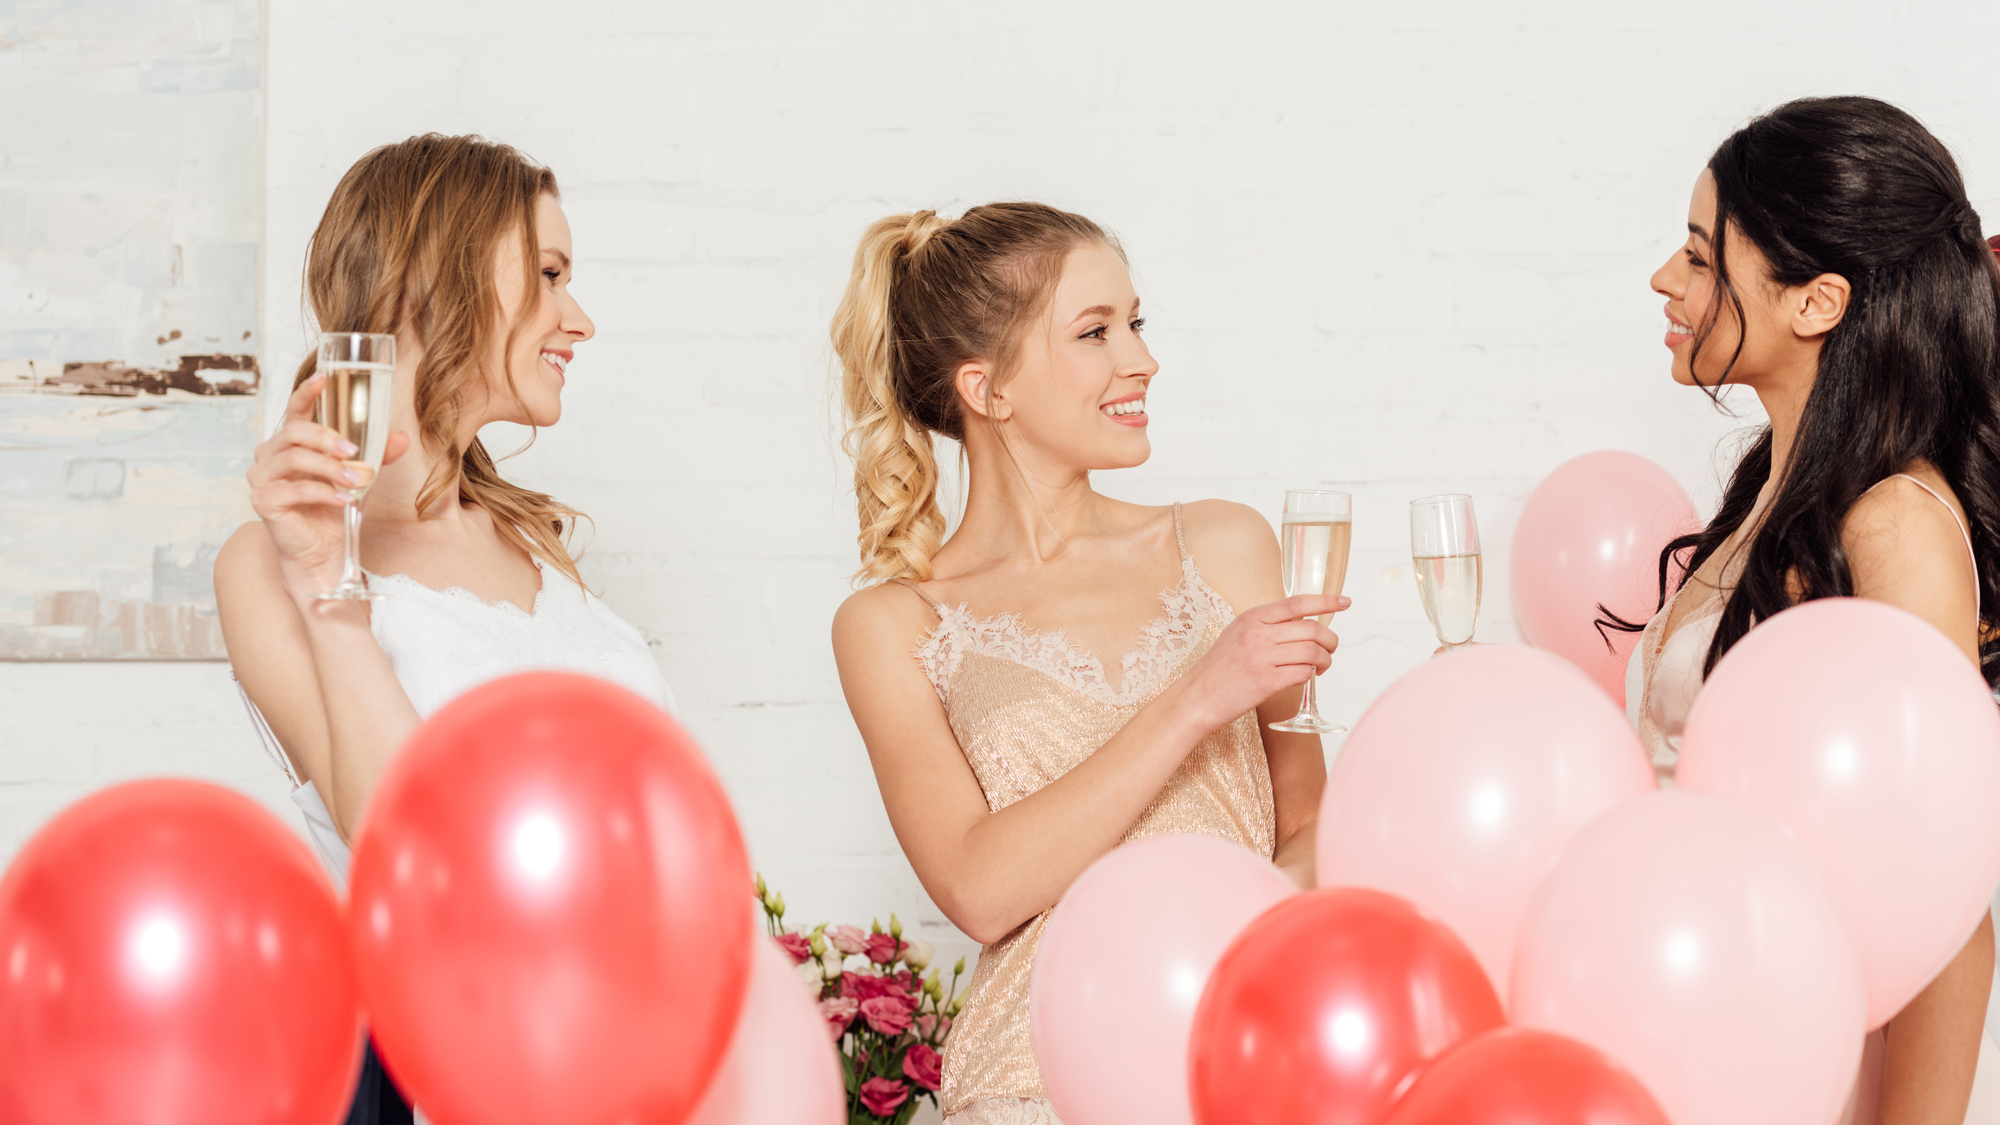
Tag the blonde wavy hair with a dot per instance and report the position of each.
(409, 238)
(927, 296)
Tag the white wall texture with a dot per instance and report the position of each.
(1397, 249)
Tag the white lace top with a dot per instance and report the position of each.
(442, 643)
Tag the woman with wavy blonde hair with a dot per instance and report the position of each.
(1009, 753)
(459, 248)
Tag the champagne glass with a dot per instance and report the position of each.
(354, 402)
(1317, 529)
(1444, 546)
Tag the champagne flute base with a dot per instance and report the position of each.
(1308, 724)
(349, 594)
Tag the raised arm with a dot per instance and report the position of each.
(313, 668)
(1239, 555)
(1904, 548)
(989, 872)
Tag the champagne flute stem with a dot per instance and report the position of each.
(350, 567)
(1309, 698)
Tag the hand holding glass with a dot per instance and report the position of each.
(1444, 545)
(354, 402)
(1318, 528)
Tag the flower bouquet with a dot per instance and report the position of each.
(887, 1022)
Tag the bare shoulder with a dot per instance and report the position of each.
(1236, 549)
(1224, 528)
(1905, 548)
(886, 617)
(1901, 517)
(247, 565)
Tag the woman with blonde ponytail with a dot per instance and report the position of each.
(459, 248)
(1010, 753)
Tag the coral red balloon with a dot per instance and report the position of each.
(548, 909)
(170, 953)
(1325, 1005)
(1591, 534)
(1517, 1076)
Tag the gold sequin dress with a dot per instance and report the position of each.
(1027, 708)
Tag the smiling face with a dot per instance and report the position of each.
(1697, 307)
(1078, 398)
(551, 325)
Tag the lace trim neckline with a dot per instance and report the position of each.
(1162, 644)
(461, 594)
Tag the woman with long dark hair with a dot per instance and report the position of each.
(1834, 266)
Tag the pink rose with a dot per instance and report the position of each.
(797, 946)
(922, 1065)
(932, 1022)
(838, 1011)
(867, 986)
(883, 1095)
(848, 939)
(889, 1015)
(882, 948)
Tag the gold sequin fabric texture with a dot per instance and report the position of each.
(1027, 708)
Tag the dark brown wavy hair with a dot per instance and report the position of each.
(1856, 187)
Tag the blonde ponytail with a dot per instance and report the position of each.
(895, 463)
(926, 296)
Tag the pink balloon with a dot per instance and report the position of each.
(1592, 533)
(1689, 938)
(780, 1065)
(1121, 968)
(1869, 735)
(1463, 783)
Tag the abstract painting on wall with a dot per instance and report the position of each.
(130, 220)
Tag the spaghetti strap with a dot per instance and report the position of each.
(1953, 513)
(936, 605)
(1179, 539)
(265, 736)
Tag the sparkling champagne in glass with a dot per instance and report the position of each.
(1317, 529)
(1444, 546)
(354, 402)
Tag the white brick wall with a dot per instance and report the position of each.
(1397, 250)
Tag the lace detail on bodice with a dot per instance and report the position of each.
(443, 642)
(461, 594)
(1164, 644)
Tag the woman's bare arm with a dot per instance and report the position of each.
(1238, 554)
(313, 668)
(1904, 549)
(991, 871)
